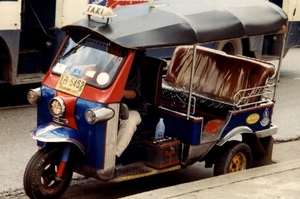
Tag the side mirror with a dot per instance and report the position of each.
(124, 111)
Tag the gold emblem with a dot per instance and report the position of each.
(253, 118)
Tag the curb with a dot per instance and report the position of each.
(218, 181)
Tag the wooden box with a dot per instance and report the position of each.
(162, 153)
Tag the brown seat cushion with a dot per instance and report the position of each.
(216, 75)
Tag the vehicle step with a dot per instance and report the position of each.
(137, 170)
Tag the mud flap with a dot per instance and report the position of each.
(266, 158)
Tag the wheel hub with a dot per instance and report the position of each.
(238, 163)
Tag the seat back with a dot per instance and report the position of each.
(216, 75)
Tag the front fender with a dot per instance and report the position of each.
(52, 132)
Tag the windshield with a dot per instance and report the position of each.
(92, 60)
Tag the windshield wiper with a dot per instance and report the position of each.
(75, 48)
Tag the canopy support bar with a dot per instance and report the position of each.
(191, 83)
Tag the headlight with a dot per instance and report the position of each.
(98, 115)
(33, 95)
(57, 107)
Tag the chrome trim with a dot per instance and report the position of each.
(98, 114)
(267, 132)
(60, 120)
(234, 132)
(61, 103)
(242, 97)
(36, 93)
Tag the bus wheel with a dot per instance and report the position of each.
(237, 156)
(232, 47)
(40, 179)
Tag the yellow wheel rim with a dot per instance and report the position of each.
(238, 163)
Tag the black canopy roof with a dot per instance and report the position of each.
(181, 22)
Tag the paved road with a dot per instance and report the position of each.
(16, 147)
(287, 108)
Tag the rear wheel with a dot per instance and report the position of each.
(236, 157)
(231, 47)
(40, 179)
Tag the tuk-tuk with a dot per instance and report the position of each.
(217, 108)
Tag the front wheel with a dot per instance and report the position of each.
(236, 157)
(40, 179)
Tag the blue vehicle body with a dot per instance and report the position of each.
(84, 137)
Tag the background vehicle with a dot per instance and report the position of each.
(30, 35)
(216, 107)
(291, 7)
(261, 47)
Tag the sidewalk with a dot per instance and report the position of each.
(276, 181)
(280, 180)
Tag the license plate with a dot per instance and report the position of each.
(71, 85)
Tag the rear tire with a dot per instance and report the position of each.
(231, 47)
(237, 156)
(39, 178)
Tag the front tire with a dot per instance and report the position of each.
(237, 156)
(40, 175)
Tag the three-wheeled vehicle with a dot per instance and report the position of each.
(217, 108)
